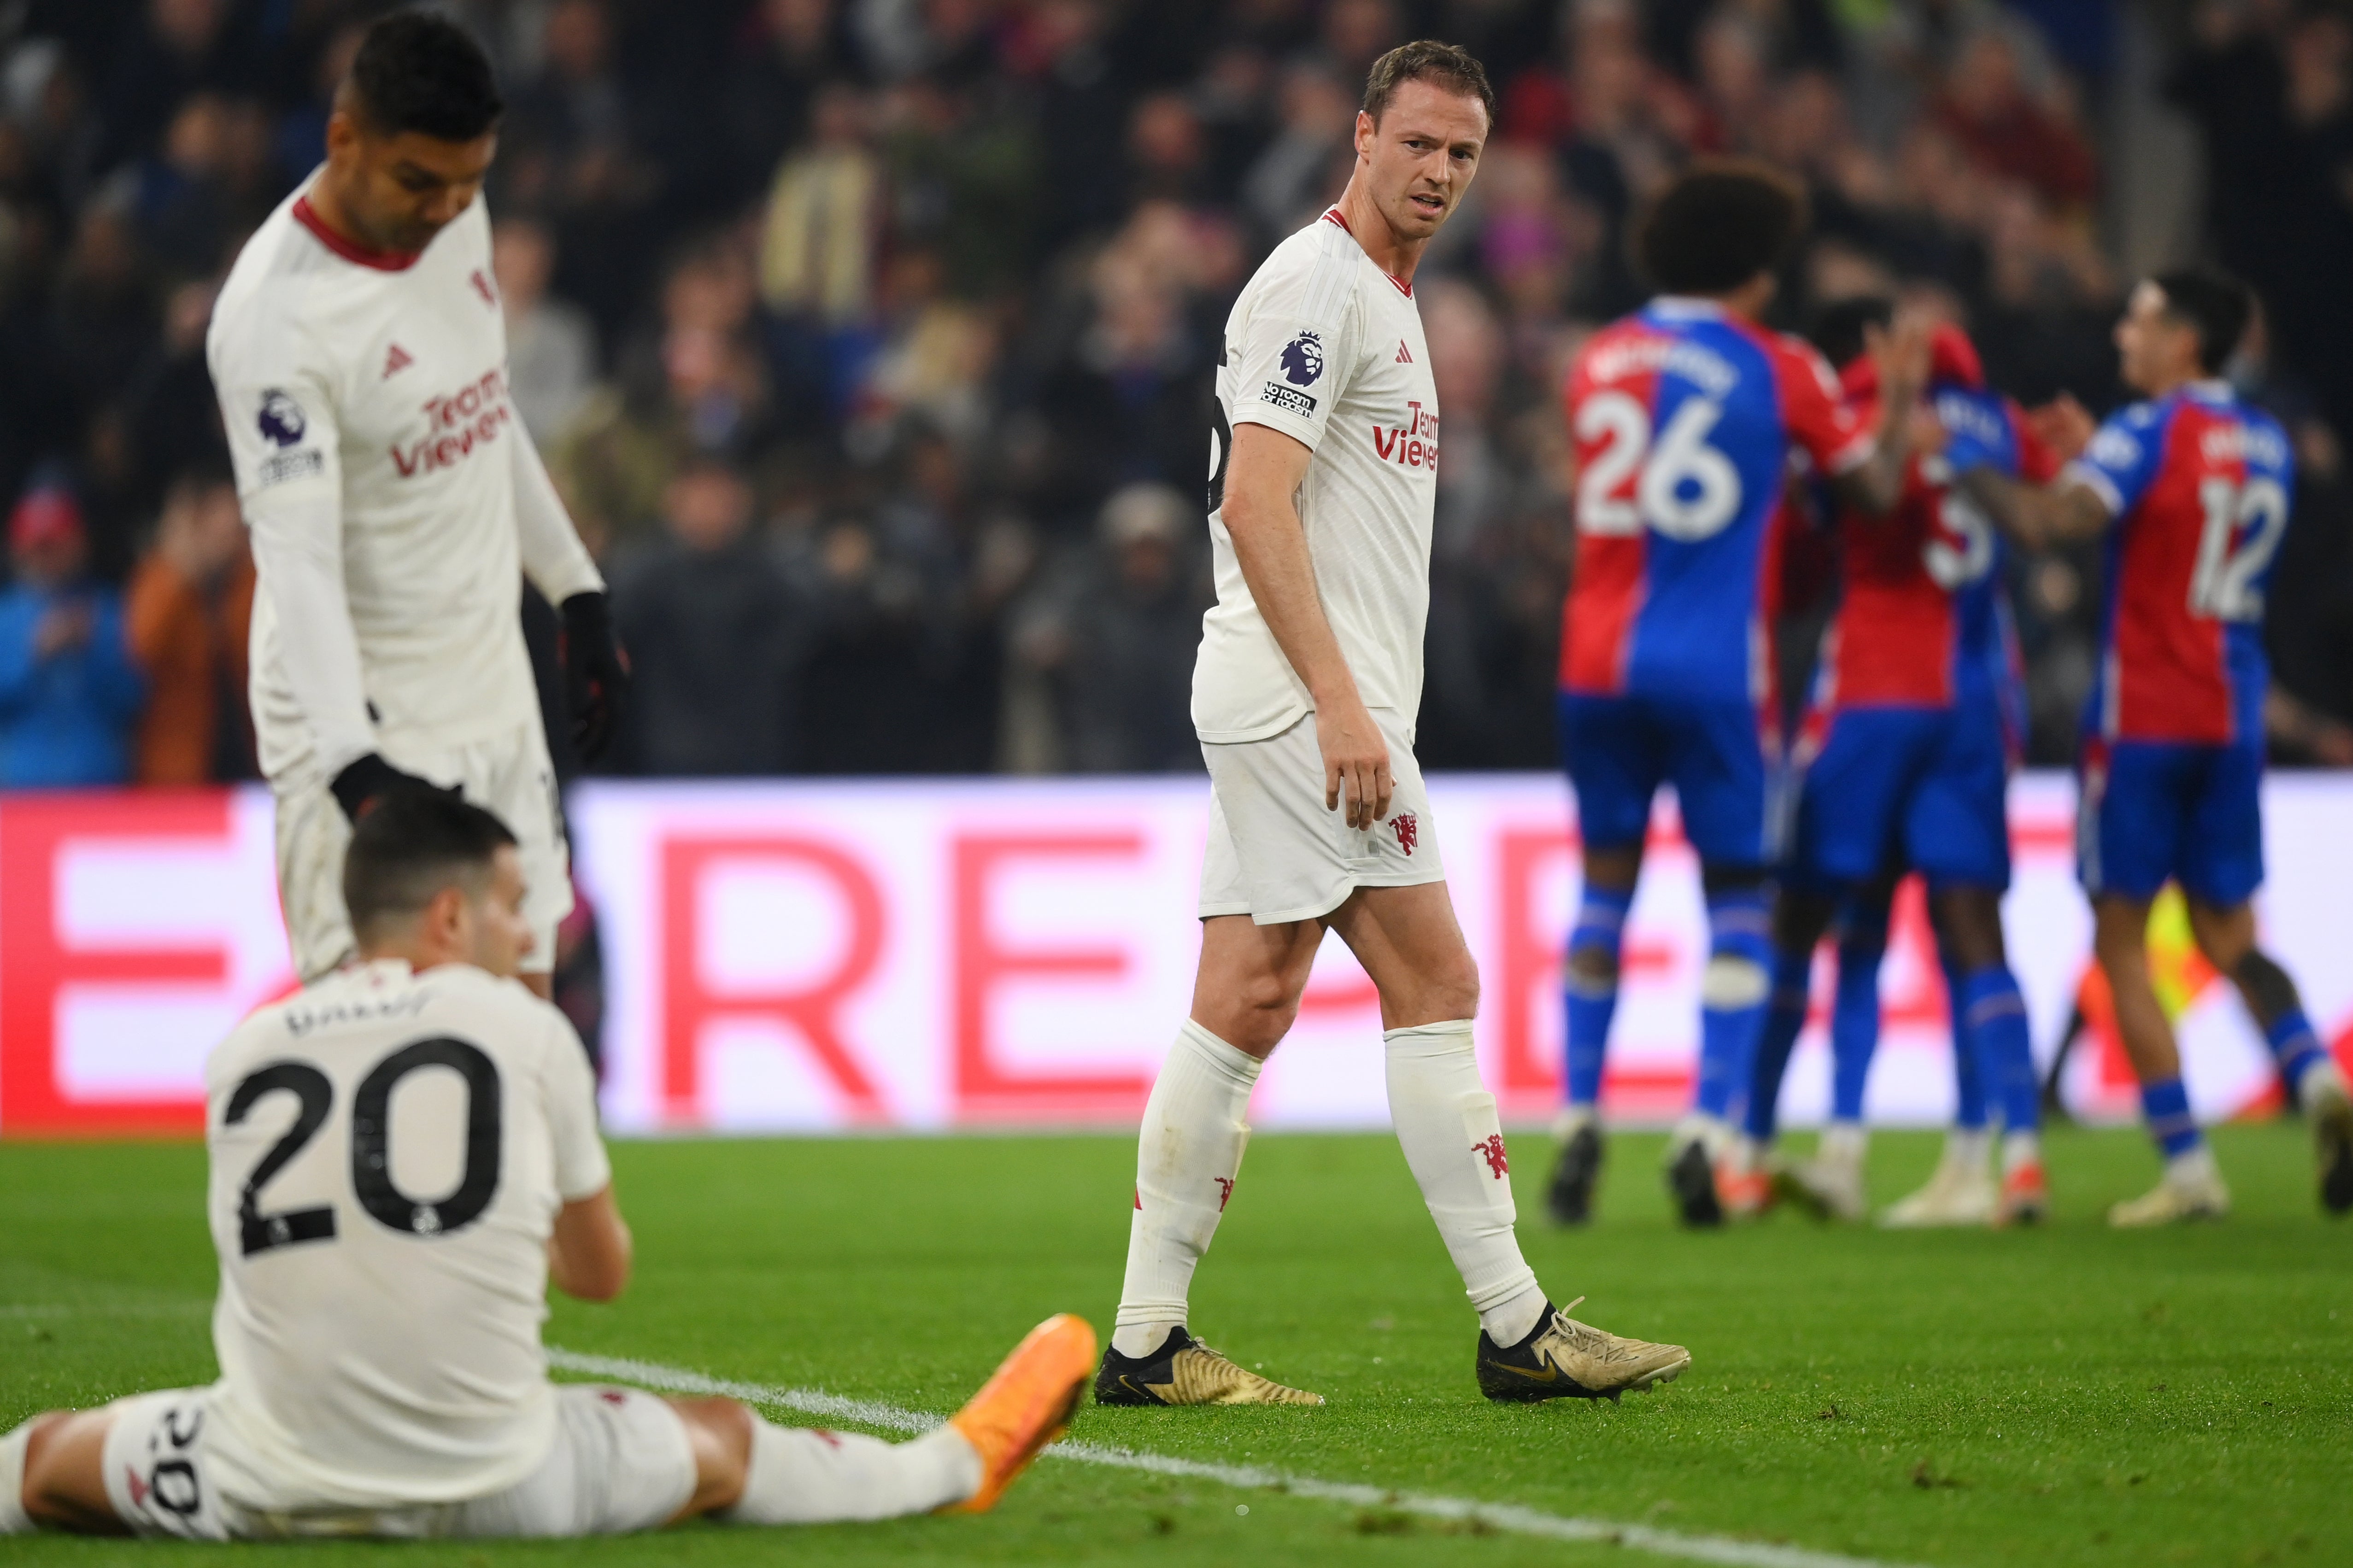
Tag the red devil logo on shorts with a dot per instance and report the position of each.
(1225, 1191)
(1491, 1148)
(1407, 830)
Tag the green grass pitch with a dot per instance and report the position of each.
(2069, 1395)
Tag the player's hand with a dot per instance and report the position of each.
(595, 674)
(2065, 425)
(368, 781)
(1356, 762)
(1901, 353)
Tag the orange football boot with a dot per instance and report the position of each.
(1026, 1406)
(2025, 1196)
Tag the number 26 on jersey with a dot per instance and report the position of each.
(1670, 481)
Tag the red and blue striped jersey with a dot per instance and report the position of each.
(1921, 621)
(1685, 422)
(2197, 483)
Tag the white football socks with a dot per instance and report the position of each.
(1843, 1143)
(2021, 1148)
(13, 1519)
(1446, 1124)
(799, 1476)
(1187, 1157)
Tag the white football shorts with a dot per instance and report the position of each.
(509, 775)
(1276, 854)
(621, 1461)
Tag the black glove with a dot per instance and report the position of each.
(595, 674)
(370, 779)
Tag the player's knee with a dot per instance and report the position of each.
(1455, 988)
(719, 1433)
(1734, 980)
(1268, 1001)
(55, 1493)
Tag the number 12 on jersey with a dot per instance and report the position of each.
(2222, 584)
(1680, 486)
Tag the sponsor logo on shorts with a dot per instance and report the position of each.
(1289, 401)
(1408, 829)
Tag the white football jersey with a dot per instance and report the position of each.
(378, 384)
(388, 1152)
(1326, 347)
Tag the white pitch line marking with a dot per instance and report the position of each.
(1508, 1517)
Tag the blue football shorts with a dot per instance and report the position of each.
(2154, 811)
(1720, 756)
(1922, 788)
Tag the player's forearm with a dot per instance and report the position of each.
(2037, 516)
(298, 561)
(1877, 483)
(590, 1249)
(555, 560)
(1271, 545)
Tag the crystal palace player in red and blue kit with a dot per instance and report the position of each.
(2190, 489)
(1686, 418)
(1904, 756)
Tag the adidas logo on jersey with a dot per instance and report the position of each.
(398, 360)
(1405, 355)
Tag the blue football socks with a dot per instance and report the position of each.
(1588, 1005)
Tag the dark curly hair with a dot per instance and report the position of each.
(416, 71)
(1717, 224)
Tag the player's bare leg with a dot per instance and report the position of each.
(1410, 944)
(59, 1470)
(2191, 1188)
(1588, 1001)
(52, 1469)
(2314, 1084)
(1246, 993)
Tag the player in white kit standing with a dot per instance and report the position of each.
(1322, 478)
(403, 1156)
(395, 499)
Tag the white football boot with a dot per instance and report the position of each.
(2330, 1110)
(1830, 1182)
(1961, 1193)
(2191, 1189)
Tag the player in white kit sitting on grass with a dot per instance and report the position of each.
(403, 1155)
(1323, 478)
(394, 498)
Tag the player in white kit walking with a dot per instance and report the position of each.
(1323, 478)
(403, 1156)
(394, 498)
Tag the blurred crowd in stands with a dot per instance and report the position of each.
(869, 340)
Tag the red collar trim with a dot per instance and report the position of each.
(1334, 216)
(359, 255)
